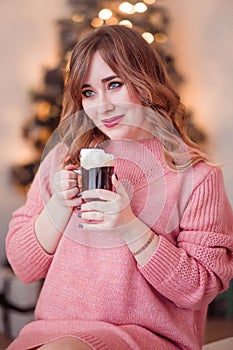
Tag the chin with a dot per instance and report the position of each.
(119, 134)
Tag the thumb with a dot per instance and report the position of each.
(118, 185)
(70, 167)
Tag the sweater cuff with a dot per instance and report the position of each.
(34, 260)
(38, 253)
(162, 263)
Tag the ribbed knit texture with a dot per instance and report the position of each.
(94, 289)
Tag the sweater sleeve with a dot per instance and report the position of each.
(199, 266)
(28, 259)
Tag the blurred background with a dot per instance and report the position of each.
(195, 39)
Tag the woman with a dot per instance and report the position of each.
(133, 268)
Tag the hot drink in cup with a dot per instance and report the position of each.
(97, 169)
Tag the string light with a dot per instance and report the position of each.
(160, 38)
(97, 22)
(112, 20)
(148, 37)
(140, 7)
(78, 17)
(126, 23)
(105, 14)
(126, 7)
(149, 2)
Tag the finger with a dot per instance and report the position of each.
(104, 206)
(118, 186)
(68, 184)
(92, 227)
(98, 227)
(65, 174)
(96, 206)
(74, 202)
(101, 194)
(77, 171)
(70, 167)
(80, 183)
(93, 215)
(70, 193)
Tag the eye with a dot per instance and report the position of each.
(114, 85)
(87, 93)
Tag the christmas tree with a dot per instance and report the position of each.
(148, 18)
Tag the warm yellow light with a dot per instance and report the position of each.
(148, 37)
(78, 18)
(112, 20)
(126, 7)
(149, 2)
(126, 23)
(97, 22)
(140, 7)
(43, 110)
(160, 38)
(105, 14)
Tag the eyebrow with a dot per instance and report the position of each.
(104, 80)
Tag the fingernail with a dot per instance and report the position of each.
(79, 194)
(79, 207)
(78, 171)
(79, 215)
(80, 225)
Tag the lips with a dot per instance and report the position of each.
(111, 122)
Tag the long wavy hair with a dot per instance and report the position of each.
(143, 71)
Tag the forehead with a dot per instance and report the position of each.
(98, 69)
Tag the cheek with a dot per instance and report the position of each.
(91, 115)
(84, 105)
(89, 110)
(87, 107)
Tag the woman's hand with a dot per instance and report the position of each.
(52, 221)
(106, 210)
(66, 186)
(111, 211)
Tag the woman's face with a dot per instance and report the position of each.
(106, 99)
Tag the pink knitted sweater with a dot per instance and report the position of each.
(93, 287)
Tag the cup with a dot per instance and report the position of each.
(97, 168)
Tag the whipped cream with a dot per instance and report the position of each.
(95, 158)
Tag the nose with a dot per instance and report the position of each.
(104, 104)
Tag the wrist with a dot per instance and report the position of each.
(134, 231)
(141, 241)
(60, 203)
(145, 245)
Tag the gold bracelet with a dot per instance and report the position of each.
(148, 242)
